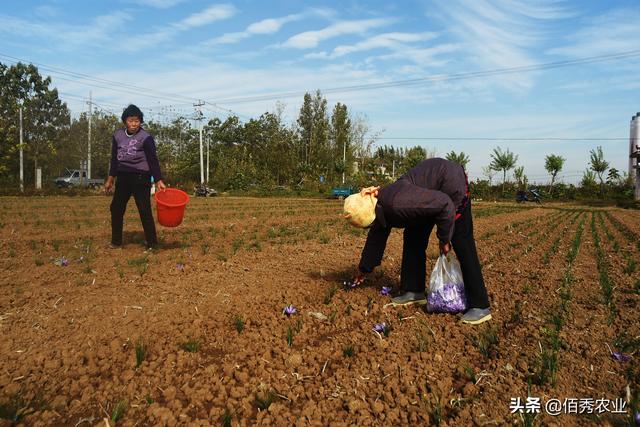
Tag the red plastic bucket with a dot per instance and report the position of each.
(170, 204)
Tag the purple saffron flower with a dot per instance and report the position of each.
(386, 290)
(62, 262)
(289, 310)
(620, 357)
(380, 327)
(180, 266)
(638, 418)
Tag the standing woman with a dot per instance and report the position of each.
(133, 161)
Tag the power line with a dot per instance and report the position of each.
(442, 77)
(124, 87)
(111, 83)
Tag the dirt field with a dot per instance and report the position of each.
(194, 334)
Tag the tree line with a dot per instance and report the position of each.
(324, 147)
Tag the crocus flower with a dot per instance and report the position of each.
(638, 418)
(289, 310)
(620, 357)
(380, 327)
(62, 262)
(386, 290)
(180, 266)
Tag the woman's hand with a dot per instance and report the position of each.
(445, 248)
(369, 191)
(160, 185)
(108, 185)
(358, 278)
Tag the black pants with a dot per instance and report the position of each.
(414, 259)
(138, 185)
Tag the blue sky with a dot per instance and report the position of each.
(229, 53)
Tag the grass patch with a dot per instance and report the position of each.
(118, 411)
(226, 419)
(324, 239)
(547, 367)
(141, 352)
(630, 268)
(238, 321)
(290, 335)
(237, 244)
(141, 264)
(422, 342)
(192, 345)
(486, 340)
(328, 296)
(348, 351)
(470, 373)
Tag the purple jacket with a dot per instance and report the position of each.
(134, 154)
(429, 193)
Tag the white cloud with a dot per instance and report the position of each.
(393, 41)
(159, 4)
(501, 33)
(425, 57)
(265, 26)
(169, 31)
(229, 38)
(66, 36)
(272, 25)
(615, 31)
(311, 39)
(211, 14)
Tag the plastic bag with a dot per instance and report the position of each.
(446, 287)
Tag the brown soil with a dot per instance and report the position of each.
(208, 309)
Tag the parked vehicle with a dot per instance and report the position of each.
(204, 191)
(532, 195)
(77, 178)
(342, 192)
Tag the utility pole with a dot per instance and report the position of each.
(89, 140)
(207, 161)
(21, 154)
(199, 115)
(344, 159)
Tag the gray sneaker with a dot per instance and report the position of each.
(409, 298)
(476, 316)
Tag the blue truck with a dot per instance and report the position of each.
(342, 192)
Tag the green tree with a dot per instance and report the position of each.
(599, 165)
(413, 156)
(45, 118)
(462, 159)
(553, 164)
(340, 133)
(489, 173)
(73, 147)
(313, 125)
(613, 177)
(588, 179)
(520, 177)
(503, 161)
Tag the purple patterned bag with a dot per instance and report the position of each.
(446, 287)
